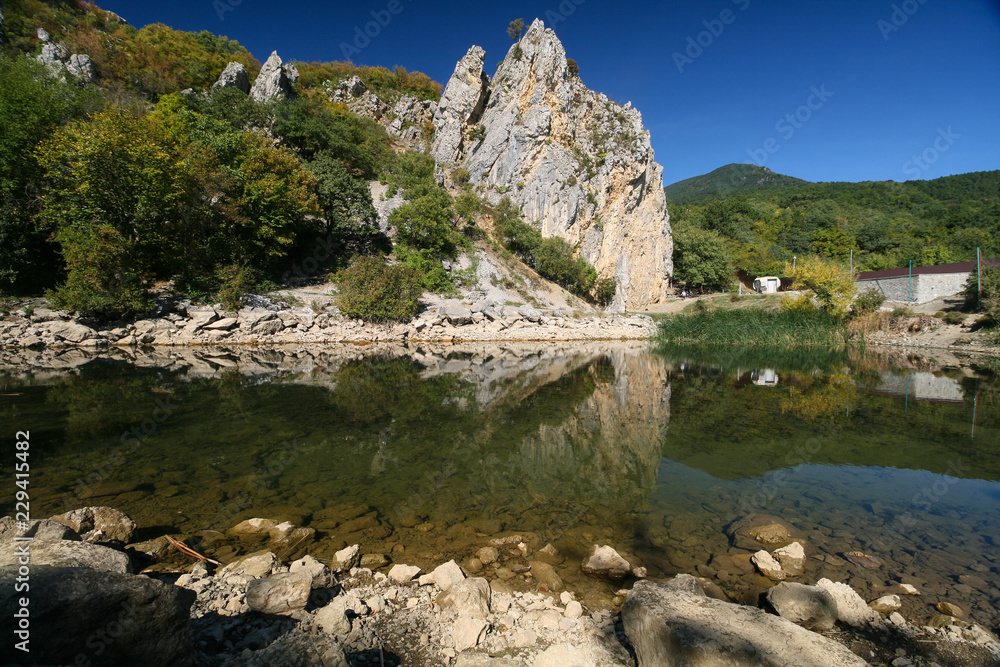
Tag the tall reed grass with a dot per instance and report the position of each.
(754, 326)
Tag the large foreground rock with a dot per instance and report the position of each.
(93, 617)
(671, 627)
(67, 553)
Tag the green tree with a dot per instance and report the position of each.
(990, 298)
(515, 29)
(426, 223)
(372, 290)
(115, 191)
(555, 262)
(32, 106)
(701, 258)
(347, 205)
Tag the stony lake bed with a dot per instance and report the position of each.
(883, 467)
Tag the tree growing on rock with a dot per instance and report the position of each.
(515, 29)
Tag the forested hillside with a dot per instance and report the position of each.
(886, 225)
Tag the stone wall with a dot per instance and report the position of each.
(926, 287)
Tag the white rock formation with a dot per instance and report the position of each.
(234, 76)
(275, 80)
(579, 165)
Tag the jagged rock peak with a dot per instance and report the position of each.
(461, 105)
(579, 165)
(234, 76)
(275, 79)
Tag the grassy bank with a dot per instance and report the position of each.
(754, 326)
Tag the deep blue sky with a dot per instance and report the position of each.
(930, 88)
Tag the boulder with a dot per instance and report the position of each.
(347, 558)
(886, 604)
(321, 575)
(86, 616)
(332, 619)
(99, 524)
(469, 597)
(275, 80)
(605, 562)
(354, 86)
(257, 564)
(298, 650)
(768, 566)
(671, 628)
(809, 606)
(529, 313)
(234, 76)
(468, 632)
(279, 593)
(446, 575)
(45, 529)
(403, 573)
(756, 531)
(67, 553)
(851, 608)
(792, 558)
(457, 315)
(70, 331)
(488, 555)
(546, 576)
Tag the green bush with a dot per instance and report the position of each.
(990, 299)
(237, 281)
(605, 292)
(868, 302)
(555, 262)
(426, 224)
(954, 317)
(433, 277)
(374, 291)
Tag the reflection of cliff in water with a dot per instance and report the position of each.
(512, 432)
(606, 450)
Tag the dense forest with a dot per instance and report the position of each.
(151, 178)
(758, 226)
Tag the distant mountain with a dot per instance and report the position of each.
(731, 179)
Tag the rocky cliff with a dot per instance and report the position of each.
(580, 166)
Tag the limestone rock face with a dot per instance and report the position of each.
(234, 76)
(275, 80)
(580, 166)
(410, 120)
(82, 67)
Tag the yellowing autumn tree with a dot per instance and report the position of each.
(831, 283)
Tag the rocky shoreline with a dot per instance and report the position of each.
(353, 608)
(181, 324)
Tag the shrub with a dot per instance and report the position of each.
(991, 292)
(236, 281)
(460, 176)
(868, 302)
(433, 277)
(374, 291)
(902, 311)
(426, 223)
(954, 317)
(802, 303)
(605, 292)
(478, 133)
(574, 69)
